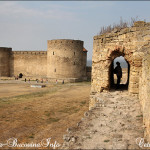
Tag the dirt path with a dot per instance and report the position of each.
(115, 123)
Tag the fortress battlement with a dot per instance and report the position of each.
(30, 52)
(64, 41)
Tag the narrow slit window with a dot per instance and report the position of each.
(74, 63)
(53, 53)
(74, 53)
(55, 70)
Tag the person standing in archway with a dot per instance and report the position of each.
(118, 72)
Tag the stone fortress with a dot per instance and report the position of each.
(133, 43)
(97, 125)
(64, 59)
(67, 59)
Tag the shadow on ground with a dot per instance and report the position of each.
(122, 87)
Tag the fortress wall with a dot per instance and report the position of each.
(88, 72)
(134, 44)
(127, 42)
(5, 61)
(65, 59)
(144, 93)
(84, 63)
(30, 63)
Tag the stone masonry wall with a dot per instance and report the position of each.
(129, 43)
(134, 44)
(30, 63)
(5, 61)
(144, 93)
(84, 64)
(65, 59)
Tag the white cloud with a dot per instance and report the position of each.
(16, 10)
(28, 25)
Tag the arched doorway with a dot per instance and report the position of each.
(125, 73)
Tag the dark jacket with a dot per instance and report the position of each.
(118, 71)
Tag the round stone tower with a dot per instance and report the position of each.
(5, 61)
(65, 59)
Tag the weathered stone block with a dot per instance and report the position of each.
(139, 24)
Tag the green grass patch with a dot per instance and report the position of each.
(3, 116)
(31, 136)
(51, 120)
(138, 119)
(27, 108)
(82, 83)
(49, 113)
(106, 141)
(83, 102)
(76, 110)
(69, 110)
(28, 80)
(139, 116)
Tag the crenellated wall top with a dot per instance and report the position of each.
(61, 41)
(30, 52)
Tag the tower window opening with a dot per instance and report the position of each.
(74, 53)
(55, 70)
(74, 63)
(53, 53)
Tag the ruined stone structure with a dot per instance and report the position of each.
(64, 59)
(133, 44)
(144, 91)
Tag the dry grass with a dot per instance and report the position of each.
(122, 24)
(35, 114)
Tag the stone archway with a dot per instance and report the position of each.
(125, 75)
(114, 54)
(126, 42)
(102, 68)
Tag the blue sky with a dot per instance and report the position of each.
(28, 25)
